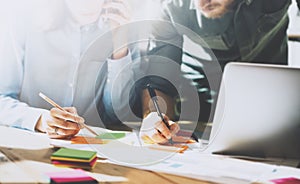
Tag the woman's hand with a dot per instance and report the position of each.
(117, 13)
(60, 124)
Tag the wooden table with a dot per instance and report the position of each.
(133, 175)
(20, 158)
(17, 154)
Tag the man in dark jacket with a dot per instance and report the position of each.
(226, 31)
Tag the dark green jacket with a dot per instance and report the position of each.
(254, 31)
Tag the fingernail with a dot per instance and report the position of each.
(169, 136)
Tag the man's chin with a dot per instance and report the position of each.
(213, 14)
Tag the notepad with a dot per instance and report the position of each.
(72, 164)
(286, 181)
(73, 153)
(66, 157)
(74, 176)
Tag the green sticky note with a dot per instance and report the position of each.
(111, 135)
(73, 153)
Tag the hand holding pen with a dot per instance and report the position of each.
(156, 127)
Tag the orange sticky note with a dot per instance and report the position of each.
(181, 139)
(169, 148)
(86, 140)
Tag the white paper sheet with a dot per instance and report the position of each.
(129, 151)
(193, 163)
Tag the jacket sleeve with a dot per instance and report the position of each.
(164, 55)
(271, 6)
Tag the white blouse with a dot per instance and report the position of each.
(33, 61)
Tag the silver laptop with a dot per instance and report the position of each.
(258, 112)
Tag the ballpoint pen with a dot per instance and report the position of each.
(154, 100)
(50, 101)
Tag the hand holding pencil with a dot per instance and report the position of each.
(61, 122)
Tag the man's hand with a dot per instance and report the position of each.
(154, 130)
(60, 124)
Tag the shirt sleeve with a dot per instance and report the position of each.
(12, 111)
(116, 90)
(115, 66)
(17, 114)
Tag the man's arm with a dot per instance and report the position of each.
(164, 62)
(271, 6)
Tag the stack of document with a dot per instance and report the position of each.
(73, 158)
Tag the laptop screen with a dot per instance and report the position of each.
(258, 112)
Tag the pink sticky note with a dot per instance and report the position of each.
(76, 175)
(286, 181)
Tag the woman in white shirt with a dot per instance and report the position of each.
(41, 52)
